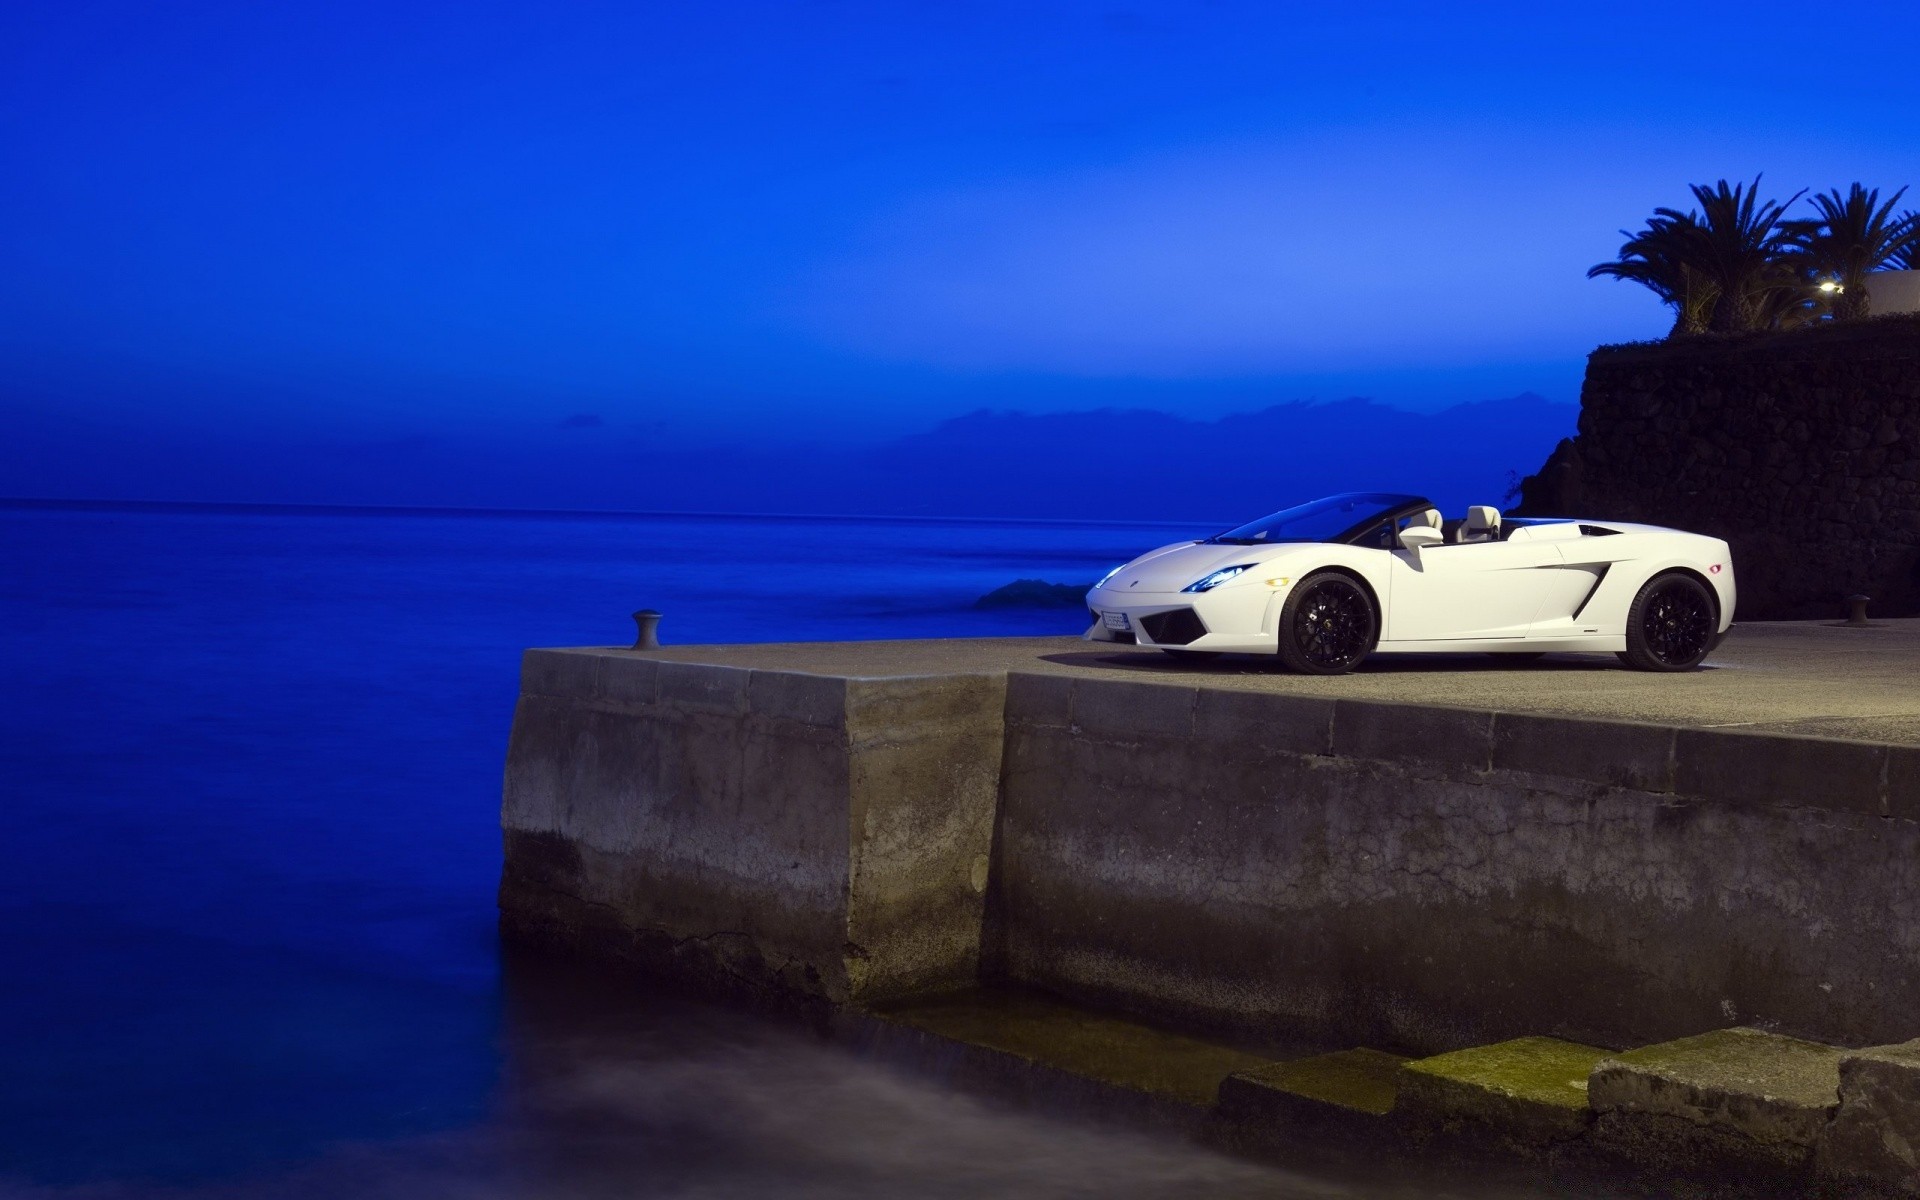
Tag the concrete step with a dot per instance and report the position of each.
(1347, 1092)
(1040, 1031)
(1742, 1112)
(1526, 1096)
(1874, 1137)
(1741, 1095)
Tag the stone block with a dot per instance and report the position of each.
(921, 816)
(571, 674)
(1349, 1088)
(1613, 753)
(1263, 721)
(1125, 709)
(819, 700)
(1526, 1095)
(1039, 699)
(917, 706)
(1903, 782)
(1742, 1095)
(1777, 770)
(1110, 1050)
(629, 679)
(1412, 732)
(1874, 1137)
(702, 687)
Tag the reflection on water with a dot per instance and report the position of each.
(249, 786)
(609, 1092)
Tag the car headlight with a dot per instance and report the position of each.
(1105, 579)
(1217, 578)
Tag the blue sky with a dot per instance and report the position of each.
(719, 223)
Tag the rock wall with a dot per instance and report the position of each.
(1801, 449)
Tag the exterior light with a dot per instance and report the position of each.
(1830, 286)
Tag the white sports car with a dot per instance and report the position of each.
(1329, 582)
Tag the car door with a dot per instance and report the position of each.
(1474, 590)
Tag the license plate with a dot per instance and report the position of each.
(1115, 620)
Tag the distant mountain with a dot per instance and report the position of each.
(1133, 463)
(1121, 464)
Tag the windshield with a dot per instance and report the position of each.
(1330, 520)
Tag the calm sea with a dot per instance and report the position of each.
(249, 778)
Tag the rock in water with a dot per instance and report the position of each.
(1035, 593)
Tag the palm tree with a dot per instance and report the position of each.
(1659, 258)
(1737, 246)
(1907, 256)
(1856, 234)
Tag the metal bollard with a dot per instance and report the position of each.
(648, 623)
(1857, 610)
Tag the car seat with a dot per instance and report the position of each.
(1482, 524)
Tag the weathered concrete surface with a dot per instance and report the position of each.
(1526, 1095)
(1874, 1137)
(1743, 1095)
(1237, 849)
(1789, 677)
(1421, 878)
(799, 834)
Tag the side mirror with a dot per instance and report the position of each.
(1419, 537)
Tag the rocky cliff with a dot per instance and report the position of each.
(1801, 449)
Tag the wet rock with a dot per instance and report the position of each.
(1036, 593)
(1874, 1137)
(1742, 1096)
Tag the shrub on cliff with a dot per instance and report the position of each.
(1738, 264)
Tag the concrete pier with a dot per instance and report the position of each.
(1424, 857)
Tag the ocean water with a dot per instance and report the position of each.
(249, 782)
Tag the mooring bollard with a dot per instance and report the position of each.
(1857, 610)
(648, 622)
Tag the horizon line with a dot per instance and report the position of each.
(283, 508)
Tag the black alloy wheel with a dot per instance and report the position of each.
(1670, 624)
(1327, 626)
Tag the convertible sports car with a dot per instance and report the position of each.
(1329, 582)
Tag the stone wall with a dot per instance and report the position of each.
(772, 832)
(1274, 866)
(1801, 449)
(1422, 879)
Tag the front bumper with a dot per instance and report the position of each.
(1226, 619)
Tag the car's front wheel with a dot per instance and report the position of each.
(1327, 625)
(1670, 624)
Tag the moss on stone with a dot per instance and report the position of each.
(1106, 1049)
(1525, 1096)
(1362, 1081)
(1539, 1070)
(1748, 1061)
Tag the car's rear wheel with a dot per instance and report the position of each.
(1190, 655)
(1670, 624)
(1327, 625)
